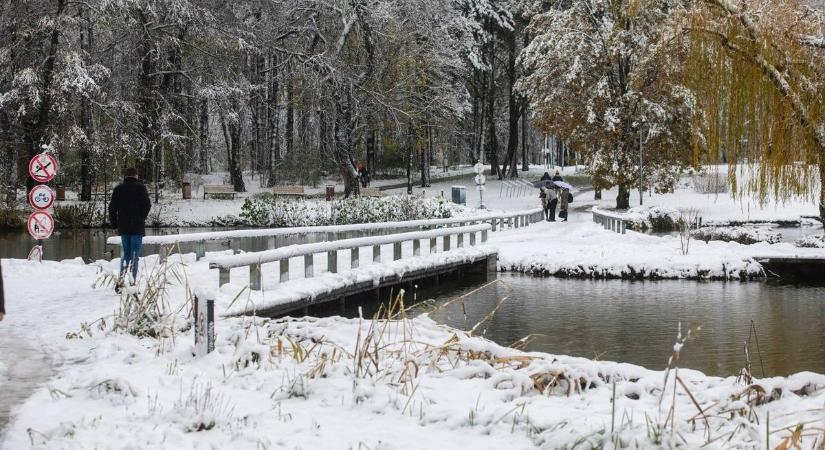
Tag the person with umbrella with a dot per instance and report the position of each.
(551, 201)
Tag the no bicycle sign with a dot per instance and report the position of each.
(40, 225)
(41, 197)
(43, 167)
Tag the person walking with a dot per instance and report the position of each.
(2, 296)
(543, 197)
(563, 204)
(546, 177)
(128, 210)
(557, 176)
(552, 201)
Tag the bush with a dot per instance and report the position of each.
(811, 242)
(78, 215)
(741, 235)
(271, 211)
(12, 217)
(654, 218)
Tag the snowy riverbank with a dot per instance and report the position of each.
(351, 383)
(585, 250)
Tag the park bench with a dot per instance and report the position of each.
(220, 190)
(289, 191)
(371, 192)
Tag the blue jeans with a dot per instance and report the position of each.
(130, 244)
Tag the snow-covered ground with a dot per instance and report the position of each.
(364, 384)
(352, 383)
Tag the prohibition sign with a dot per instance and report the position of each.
(43, 167)
(40, 225)
(41, 197)
(36, 253)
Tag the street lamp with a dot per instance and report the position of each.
(641, 163)
(480, 180)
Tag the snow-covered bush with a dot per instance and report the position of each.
(273, 212)
(712, 183)
(811, 242)
(742, 235)
(654, 218)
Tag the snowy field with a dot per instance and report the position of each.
(358, 384)
(388, 384)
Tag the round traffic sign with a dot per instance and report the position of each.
(40, 225)
(43, 167)
(41, 197)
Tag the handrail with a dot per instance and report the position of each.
(513, 219)
(609, 220)
(254, 260)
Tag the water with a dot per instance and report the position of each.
(637, 322)
(90, 244)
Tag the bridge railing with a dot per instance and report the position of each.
(610, 220)
(254, 260)
(497, 221)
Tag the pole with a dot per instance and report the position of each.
(641, 162)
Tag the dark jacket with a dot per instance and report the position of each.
(558, 178)
(2, 293)
(546, 177)
(129, 207)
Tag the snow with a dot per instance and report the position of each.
(308, 383)
(585, 249)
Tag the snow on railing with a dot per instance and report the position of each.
(610, 220)
(497, 221)
(254, 260)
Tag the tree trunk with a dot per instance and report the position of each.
(822, 188)
(86, 121)
(232, 137)
(410, 144)
(525, 151)
(514, 113)
(203, 137)
(289, 128)
(273, 124)
(342, 146)
(425, 158)
(623, 199)
(492, 139)
(371, 151)
(36, 133)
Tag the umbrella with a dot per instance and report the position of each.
(564, 185)
(548, 183)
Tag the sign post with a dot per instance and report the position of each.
(480, 180)
(42, 169)
(204, 325)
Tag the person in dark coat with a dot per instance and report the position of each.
(557, 177)
(546, 177)
(128, 210)
(2, 296)
(552, 200)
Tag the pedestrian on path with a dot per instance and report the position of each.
(563, 204)
(557, 176)
(2, 296)
(128, 210)
(552, 201)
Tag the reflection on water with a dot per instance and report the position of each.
(637, 322)
(90, 244)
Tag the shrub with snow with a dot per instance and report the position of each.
(654, 218)
(811, 242)
(742, 235)
(273, 212)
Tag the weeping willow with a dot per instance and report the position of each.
(760, 94)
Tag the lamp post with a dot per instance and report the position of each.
(641, 164)
(480, 180)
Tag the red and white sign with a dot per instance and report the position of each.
(36, 253)
(40, 225)
(41, 197)
(43, 168)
